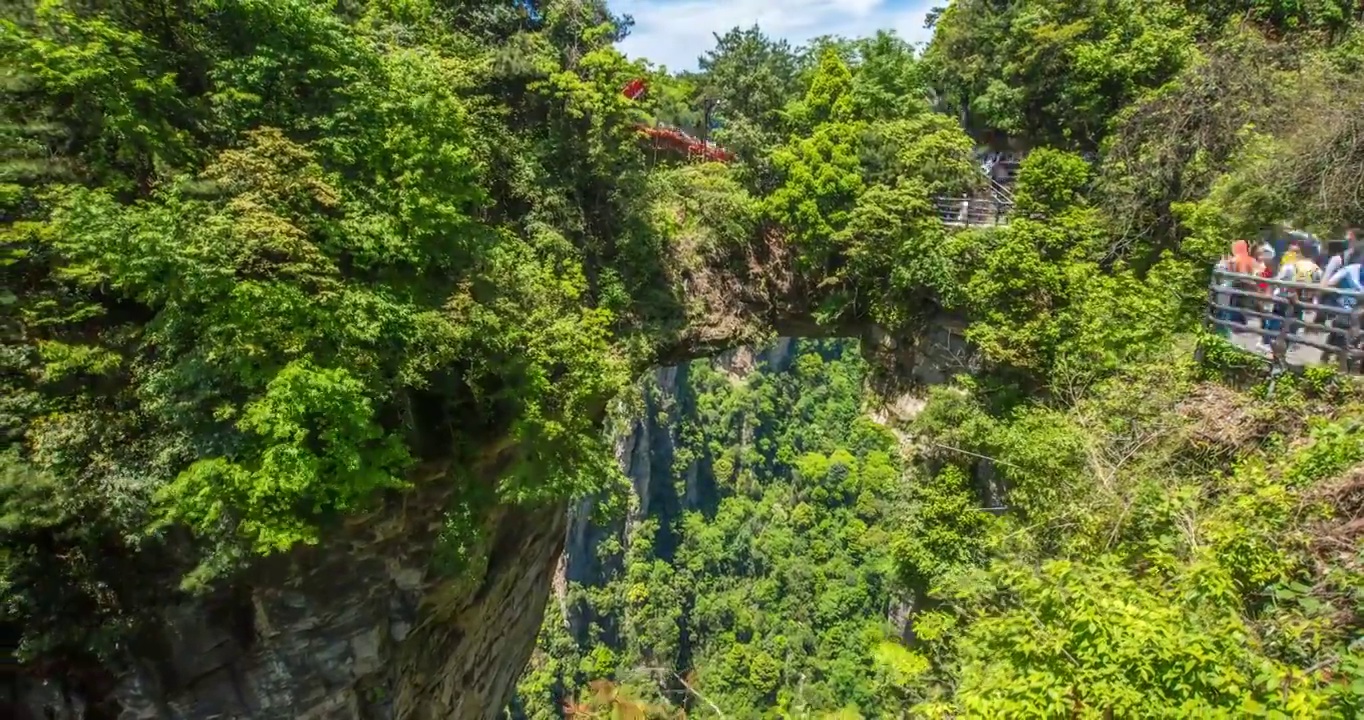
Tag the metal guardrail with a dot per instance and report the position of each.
(999, 191)
(1231, 294)
(972, 211)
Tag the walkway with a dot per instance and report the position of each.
(989, 206)
(1301, 342)
(1299, 355)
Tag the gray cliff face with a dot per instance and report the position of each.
(355, 628)
(644, 449)
(360, 627)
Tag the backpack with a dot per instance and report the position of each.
(1305, 271)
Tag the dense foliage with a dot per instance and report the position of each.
(262, 258)
(1170, 547)
(1173, 541)
(762, 576)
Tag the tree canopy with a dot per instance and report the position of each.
(262, 258)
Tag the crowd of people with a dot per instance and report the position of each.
(1309, 265)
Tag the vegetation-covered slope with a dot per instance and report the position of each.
(261, 258)
(254, 251)
(1173, 548)
(1176, 543)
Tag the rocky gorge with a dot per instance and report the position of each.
(359, 627)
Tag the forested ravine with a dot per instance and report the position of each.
(316, 317)
(754, 549)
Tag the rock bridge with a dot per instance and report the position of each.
(362, 626)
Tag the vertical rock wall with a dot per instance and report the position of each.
(361, 628)
(357, 628)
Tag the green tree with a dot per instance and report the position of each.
(1056, 72)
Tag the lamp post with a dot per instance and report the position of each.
(708, 110)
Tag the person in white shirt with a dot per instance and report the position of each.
(1342, 253)
(1345, 278)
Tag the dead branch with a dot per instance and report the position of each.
(690, 689)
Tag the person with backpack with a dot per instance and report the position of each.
(1299, 268)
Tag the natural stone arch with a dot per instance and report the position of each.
(359, 626)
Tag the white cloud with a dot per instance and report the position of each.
(675, 32)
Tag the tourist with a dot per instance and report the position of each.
(1300, 269)
(1346, 278)
(1341, 253)
(1266, 267)
(1241, 262)
(1265, 270)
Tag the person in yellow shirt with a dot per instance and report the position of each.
(1296, 268)
(1291, 255)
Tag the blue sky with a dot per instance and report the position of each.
(675, 32)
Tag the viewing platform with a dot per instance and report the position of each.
(1237, 306)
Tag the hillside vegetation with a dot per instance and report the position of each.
(767, 578)
(262, 258)
(1178, 540)
(1177, 543)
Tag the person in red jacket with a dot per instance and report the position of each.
(1266, 268)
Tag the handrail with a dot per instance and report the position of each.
(676, 140)
(1226, 283)
(1285, 283)
(972, 211)
(999, 191)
